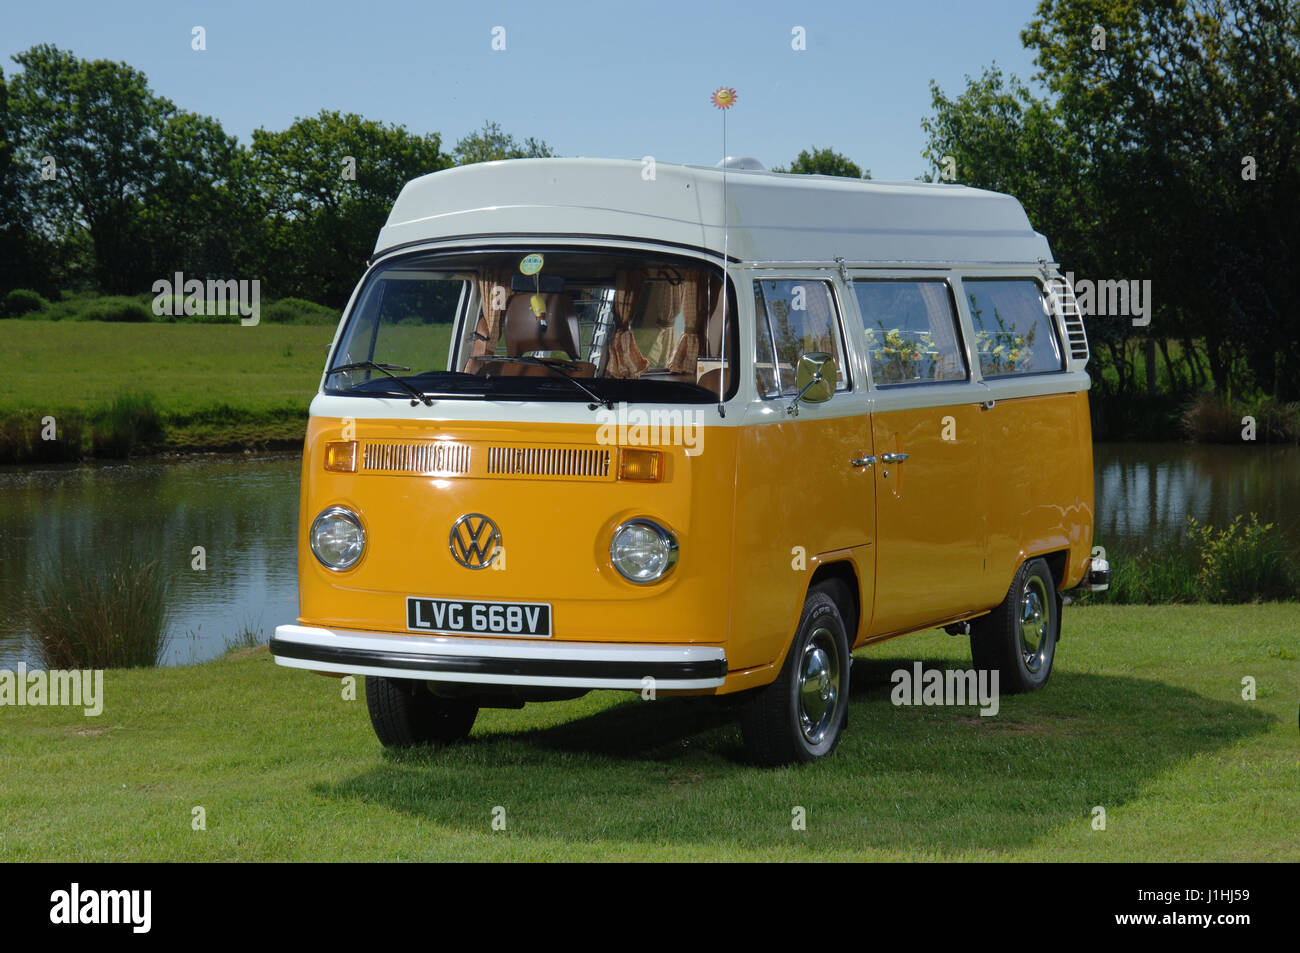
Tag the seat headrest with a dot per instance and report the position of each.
(524, 332)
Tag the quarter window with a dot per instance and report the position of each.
(800, 317)
(1013, 327)
(911, 330)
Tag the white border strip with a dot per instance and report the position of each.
(487, 647)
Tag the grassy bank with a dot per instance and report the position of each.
(213, 386)
(1143, 716)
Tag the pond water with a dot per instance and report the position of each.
(1146, 491)
(243, 511)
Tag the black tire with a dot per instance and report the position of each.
(405, 713)
(1018, 638)
(783, 724)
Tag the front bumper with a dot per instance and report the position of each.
(490, 661)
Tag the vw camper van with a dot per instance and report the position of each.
(706, 431)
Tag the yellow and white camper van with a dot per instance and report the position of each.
(705, 432)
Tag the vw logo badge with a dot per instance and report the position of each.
(474, 541)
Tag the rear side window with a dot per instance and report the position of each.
(800, 317)
(1013, 327)
(911, 331)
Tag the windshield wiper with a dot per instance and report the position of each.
(556, 367)
(417, 396)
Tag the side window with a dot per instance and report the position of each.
(800, 317)
(1013, 326)
(911, 330)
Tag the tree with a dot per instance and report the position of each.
(825, 162)
(100, 123)
(1132, 159)
(24, 265)
(326, 185)
(490, 144)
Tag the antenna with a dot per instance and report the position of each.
(724, 98)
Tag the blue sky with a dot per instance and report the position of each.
(592, 79)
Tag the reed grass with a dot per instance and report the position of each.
(110, 615)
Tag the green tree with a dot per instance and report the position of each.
(490, 144)
(1132, 161)
(100, 123)
(824, 162)
(24, 263)
(325, 186)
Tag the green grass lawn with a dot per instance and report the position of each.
(76, 365)
(1143, 716)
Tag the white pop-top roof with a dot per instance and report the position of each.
(771, 216)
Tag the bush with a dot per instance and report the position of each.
(1214, 419)
(1210, 418)
(299, 311)
(1245, 562)
(21, 438)
(117, 309)
(15, 438)
(22, 301)
(1276, 422)
(131, 422)
(112, 616)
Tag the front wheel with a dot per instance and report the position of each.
(405, 713)
(1018, 638)
(800, 716)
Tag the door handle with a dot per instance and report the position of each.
(863, 461)
(987, 405)
(893, 457)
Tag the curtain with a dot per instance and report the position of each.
(664, 306)
(625, 357)
(488, 330)
(699, 292)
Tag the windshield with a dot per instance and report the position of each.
(540, 324)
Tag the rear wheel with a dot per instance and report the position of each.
(1018, 638)
(800, 716)
(405, 713)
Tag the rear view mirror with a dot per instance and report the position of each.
(815, 379)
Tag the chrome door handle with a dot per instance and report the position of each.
(893, 457)
(864, 461)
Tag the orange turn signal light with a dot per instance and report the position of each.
(640, 466)
(341, 456)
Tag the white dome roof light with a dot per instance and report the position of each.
(742, 162)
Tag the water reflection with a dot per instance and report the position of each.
(1146, 491)
(242, 510)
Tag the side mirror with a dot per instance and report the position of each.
(815, 379)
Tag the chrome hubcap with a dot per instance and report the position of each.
(819, 686)
(1035, 624)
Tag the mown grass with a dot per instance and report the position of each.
(1144, 717)
(209, 386)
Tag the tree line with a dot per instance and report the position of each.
(106, 185)
(1159, 141)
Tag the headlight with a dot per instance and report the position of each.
(643, 551)
(337, 538)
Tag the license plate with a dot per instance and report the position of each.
(460, 617)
